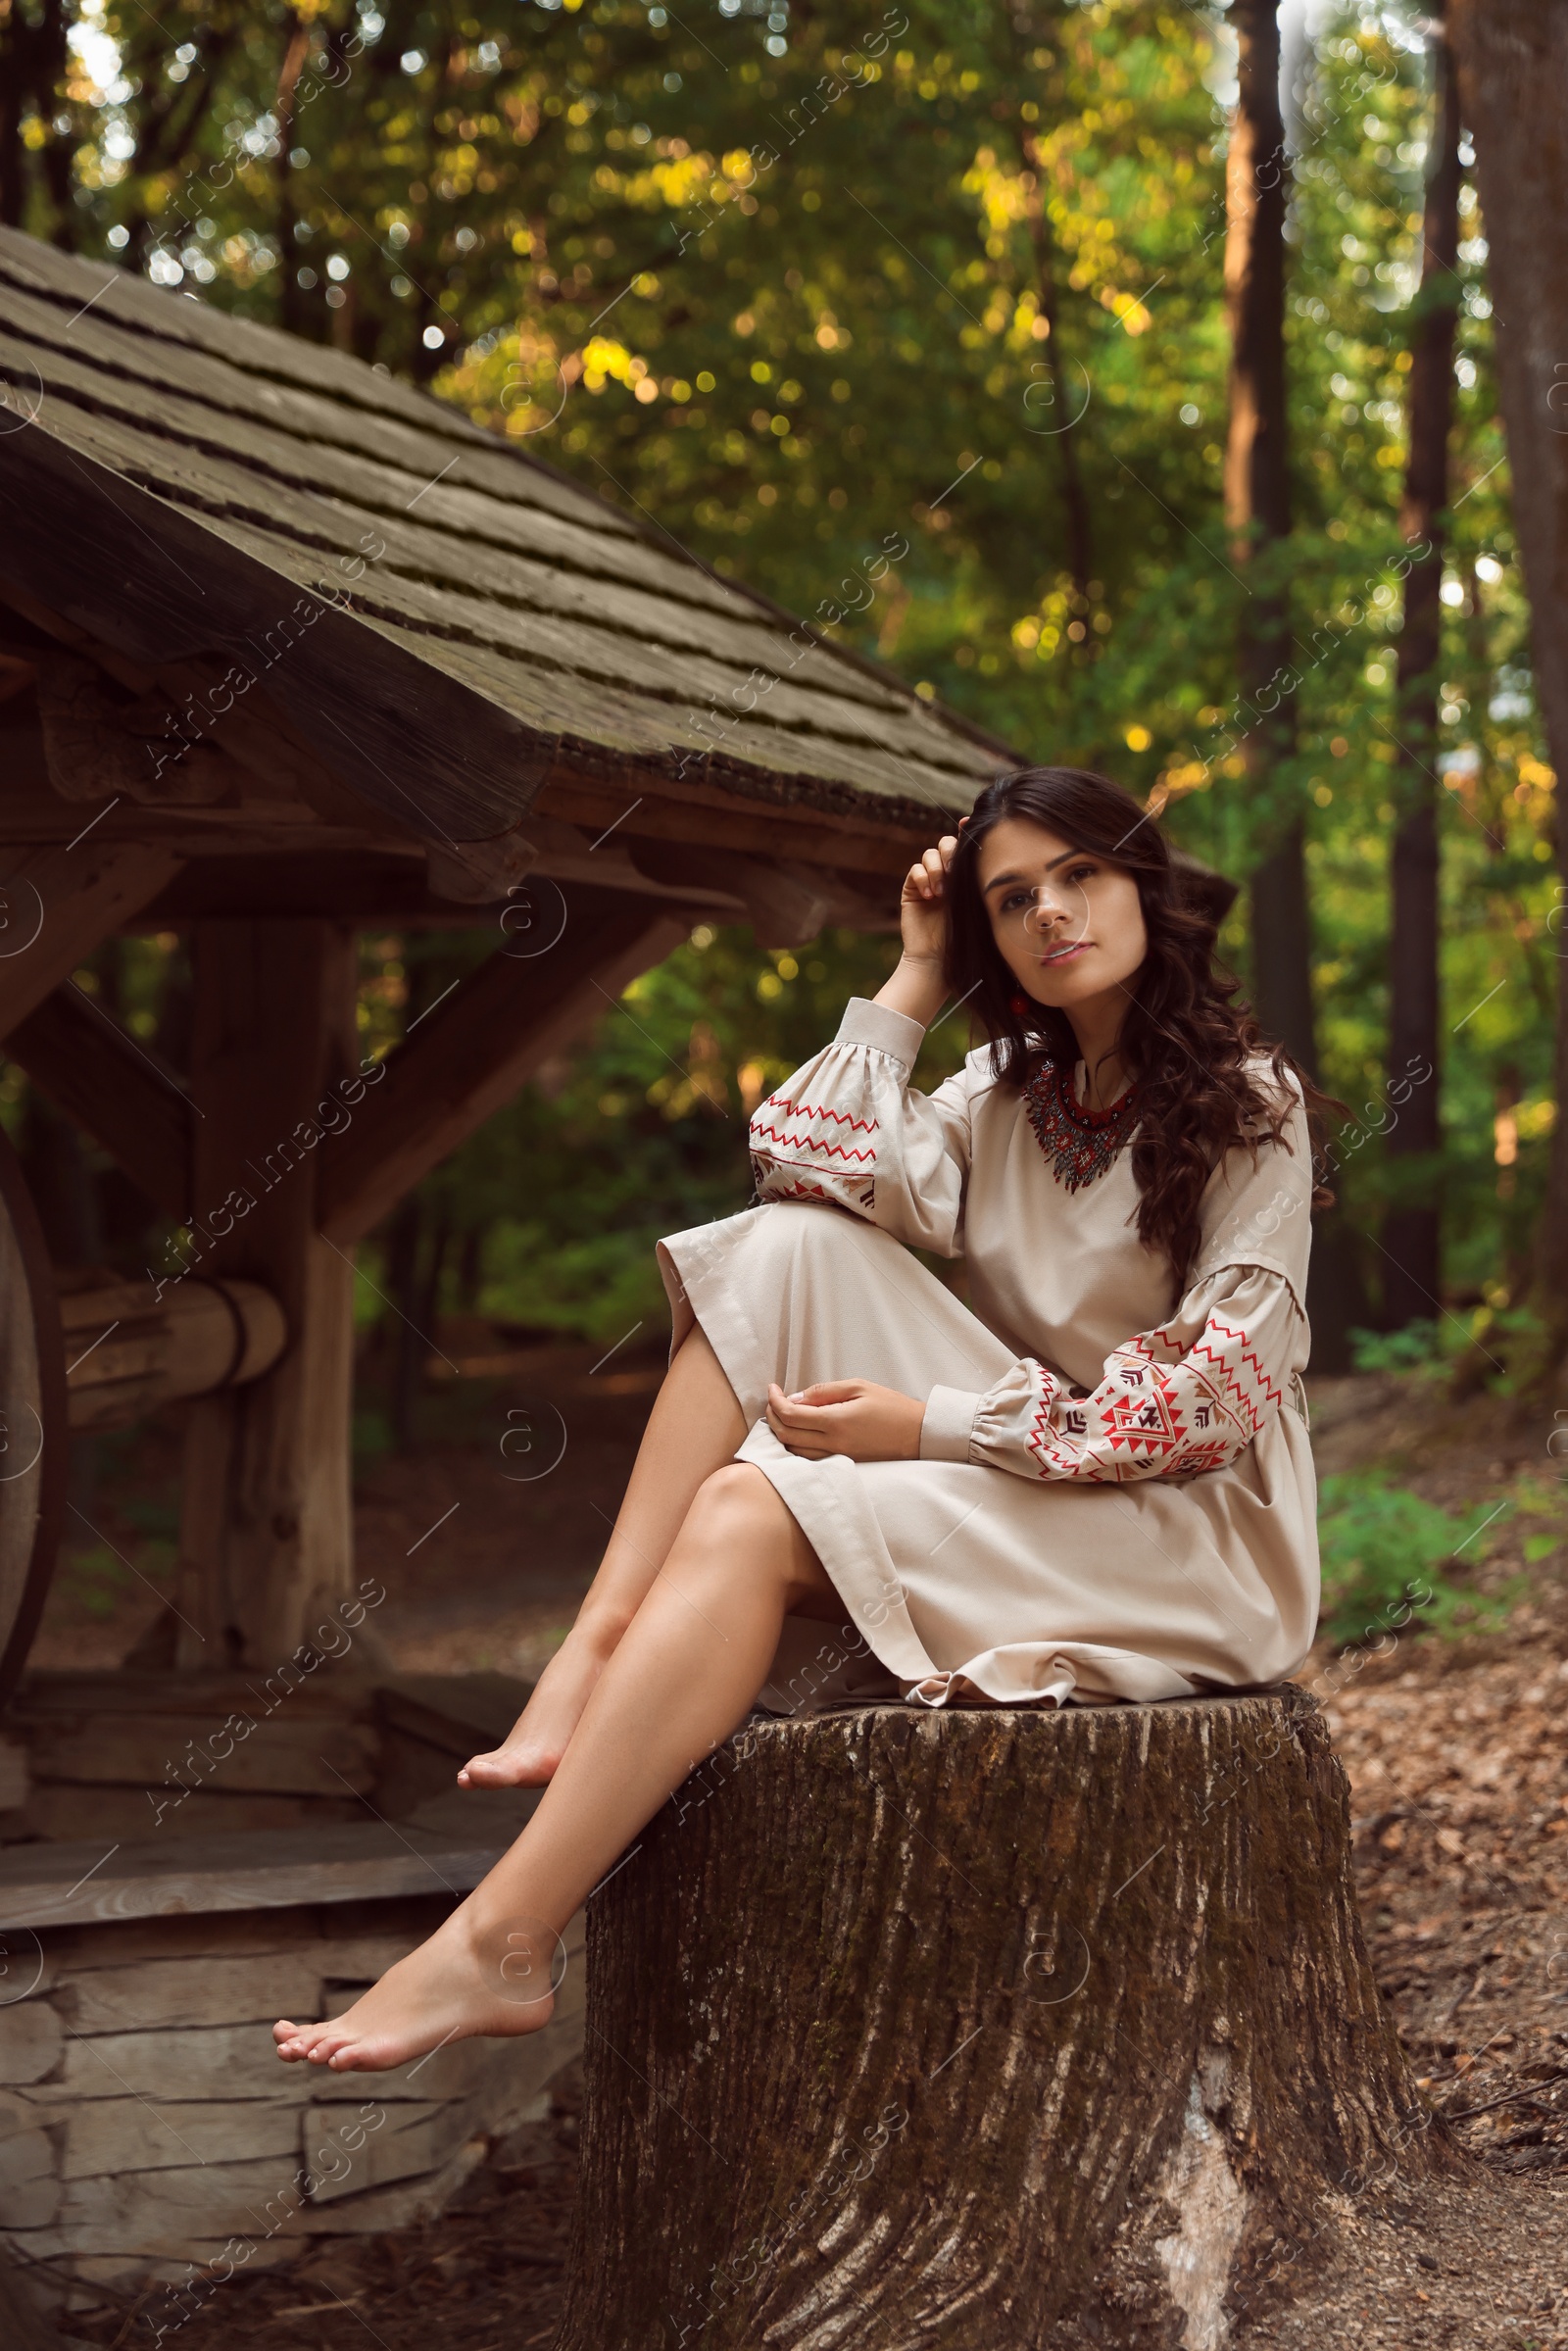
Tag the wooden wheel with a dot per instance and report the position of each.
(34, 1433)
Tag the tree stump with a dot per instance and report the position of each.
(989, 2029)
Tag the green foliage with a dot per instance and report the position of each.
(96, 1579)
(1493, 1348)
(1417, 1348)
(914, 319)
(371, 1437)
(1385, 1552)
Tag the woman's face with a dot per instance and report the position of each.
(1069, 922)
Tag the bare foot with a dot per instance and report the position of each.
(472, 1978)
(537, 1741)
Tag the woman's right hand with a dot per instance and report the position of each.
(922, 907)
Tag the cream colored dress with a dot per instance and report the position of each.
(1114, 1496)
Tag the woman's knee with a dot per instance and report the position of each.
(739, 1523)
(818, 1229)
(736, 1503)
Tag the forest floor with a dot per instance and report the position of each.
(1456, 1751)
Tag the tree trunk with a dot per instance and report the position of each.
(293, 309)
(1258, 516)
(1411, 1237)
(996, 2026)
(1063, 408)
(1513, 81)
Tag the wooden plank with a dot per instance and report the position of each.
(332, 1689)
(152, 2132)
(118, 1092)
(59, 903)
(25, 2154)
(271, 1869)
(32, 2038)
(473, 1053)
(173, 1755)
(211, 1990)
(413, 2141)
(151, 1993)
(145, 2212)
(216, 2062)
(66, 1812)
(32, 2204)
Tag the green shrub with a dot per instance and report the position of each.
(1385, 1552)
(1416, 1347)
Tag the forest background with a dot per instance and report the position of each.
(916, 321)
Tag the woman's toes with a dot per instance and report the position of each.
(326, 2046)
(293, 2041)
(509, 1767)
(355, 2056)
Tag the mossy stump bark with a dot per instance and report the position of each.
(990, 2029)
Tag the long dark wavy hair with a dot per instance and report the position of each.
(1185, 1042)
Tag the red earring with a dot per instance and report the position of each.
(1020, 1005)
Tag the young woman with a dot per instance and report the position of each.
(1090, 1483)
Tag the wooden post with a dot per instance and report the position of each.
(266, 1537)
(995, 2027)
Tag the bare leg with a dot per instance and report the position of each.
(691, 1662)
(693, 1428)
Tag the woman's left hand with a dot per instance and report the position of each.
(854, 1417)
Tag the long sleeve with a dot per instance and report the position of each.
(848, 1128)
(1173, 1402)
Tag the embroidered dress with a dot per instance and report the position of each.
(1114, 1495)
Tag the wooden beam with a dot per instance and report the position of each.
(474, 1051)
(786, 905)
(700, 813)
(114, 1088)
(265, 1535)
(32, 1386)
(255, 1869)
(57, 905)
(379, 885)
(131, 1346)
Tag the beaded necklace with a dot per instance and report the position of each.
(1079, 1145)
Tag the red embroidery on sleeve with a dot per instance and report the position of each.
(1153, 1418)
(778, 1149)
(815, 1145)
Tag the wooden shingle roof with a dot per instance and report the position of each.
(456, 633)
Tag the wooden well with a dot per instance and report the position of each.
(147, 2128)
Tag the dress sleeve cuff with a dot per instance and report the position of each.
(948, 1424)
(879, 1026)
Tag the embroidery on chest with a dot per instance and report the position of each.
(1079, 1145)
